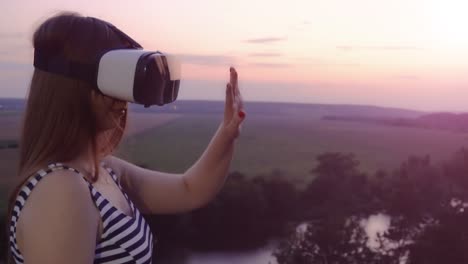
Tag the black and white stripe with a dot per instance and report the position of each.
(125, 239)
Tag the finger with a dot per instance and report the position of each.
(240, 101)
(236, 119)
(234, 80)
(228, 108)
(233, 76)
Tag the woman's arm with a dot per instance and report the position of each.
(159, 192)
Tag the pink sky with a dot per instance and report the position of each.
(402, 53)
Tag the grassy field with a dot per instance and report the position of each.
(10, 123)
(287, 143)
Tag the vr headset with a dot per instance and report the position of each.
(133, 74)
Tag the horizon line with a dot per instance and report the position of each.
(304, 103)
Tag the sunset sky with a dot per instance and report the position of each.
(399, 53)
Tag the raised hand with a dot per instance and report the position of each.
(234, 108)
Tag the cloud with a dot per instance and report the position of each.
(346, 64)
(406, 77)
(206, 59)
(13, 46)
(301, 25)
(320, 62)
(271, 65)
(265, 40)
(14, 66)
(379, 48)
(265, 54)
(15, 54)
(11, 35)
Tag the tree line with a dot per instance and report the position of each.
(427, 205)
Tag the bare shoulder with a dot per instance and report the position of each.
(59, 213)
(57, 190)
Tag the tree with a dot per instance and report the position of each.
(428, 220)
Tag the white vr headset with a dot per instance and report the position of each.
(131, 74)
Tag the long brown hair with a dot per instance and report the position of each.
(59, 122)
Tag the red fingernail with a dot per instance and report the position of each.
(241, 114)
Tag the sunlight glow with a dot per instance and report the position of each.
(449, 22)
(330, 51)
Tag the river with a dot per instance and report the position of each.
(259, 256)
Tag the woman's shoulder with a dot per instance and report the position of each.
(60, 204)
(53, 181)
(49, 183)
(55, 191)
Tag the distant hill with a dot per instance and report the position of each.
(256, 108)
(12, 104)
(444, 121)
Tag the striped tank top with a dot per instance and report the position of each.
(124, 239)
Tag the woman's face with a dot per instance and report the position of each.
(108, 110)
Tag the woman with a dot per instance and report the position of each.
(76, 202)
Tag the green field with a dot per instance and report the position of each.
(287, 143)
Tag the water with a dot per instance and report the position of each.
(259, 256)
(378, 223)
